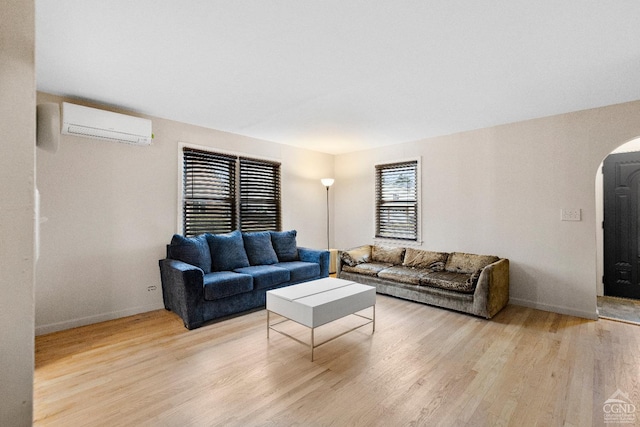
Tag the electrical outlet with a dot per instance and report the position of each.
(151, 288)
(573, 214)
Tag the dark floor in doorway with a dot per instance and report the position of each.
(623, 309)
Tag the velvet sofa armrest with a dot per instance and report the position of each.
(359, 251)
(339, 262)
(318, 256)
(492, 292)
(182, 290)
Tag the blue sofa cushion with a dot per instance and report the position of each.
(285, 245)
(227, 251)
(300, 270)
(192, 250)
(222, 284)
(265, 276)
(259, 248)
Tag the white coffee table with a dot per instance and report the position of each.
(319, 302)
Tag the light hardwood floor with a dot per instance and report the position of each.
(423, 366)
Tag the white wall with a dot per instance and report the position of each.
(500, 191)
(17, 162)
(111, 208)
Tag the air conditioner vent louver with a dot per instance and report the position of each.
(105, 134)
(100, 124)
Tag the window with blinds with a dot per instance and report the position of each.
(259, 195)
(222, 193)
(397, 200)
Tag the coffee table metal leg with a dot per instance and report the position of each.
(313, 344)
(373, 319)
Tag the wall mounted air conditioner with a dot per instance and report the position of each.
(100, 124)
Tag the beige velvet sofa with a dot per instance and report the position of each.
(474, 284)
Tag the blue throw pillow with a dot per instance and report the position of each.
(284, 243)
(227, 251)
(259, 248)
(192, 250)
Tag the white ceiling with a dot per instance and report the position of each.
(341, 75)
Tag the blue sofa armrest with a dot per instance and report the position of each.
(182, 290)
(318, 256)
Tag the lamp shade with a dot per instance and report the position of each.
(327, 182)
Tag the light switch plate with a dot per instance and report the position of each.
(573, 214)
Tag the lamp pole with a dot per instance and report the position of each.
(327, 182)
(328, 218)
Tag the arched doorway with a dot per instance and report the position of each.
(608, 306)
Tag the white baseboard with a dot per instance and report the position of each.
(74, 323)
(556, 309)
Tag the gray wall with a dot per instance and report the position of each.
(17, 136)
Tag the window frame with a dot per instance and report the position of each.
(397, 239)
(180, 229)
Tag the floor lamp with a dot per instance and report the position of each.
(327, 182)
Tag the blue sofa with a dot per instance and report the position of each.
(210, 276)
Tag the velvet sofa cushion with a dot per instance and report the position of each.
(410, 275)
(222, 284)
(285, 245)
(300, 270)
(419, 258)
(192, 250)
(367, 268)
(356, 256)
(227, 251)
(459, 282)
(265, 276)
(459, 262)
(387, 254)
(259, 248)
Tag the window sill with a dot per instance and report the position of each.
(397, 242)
